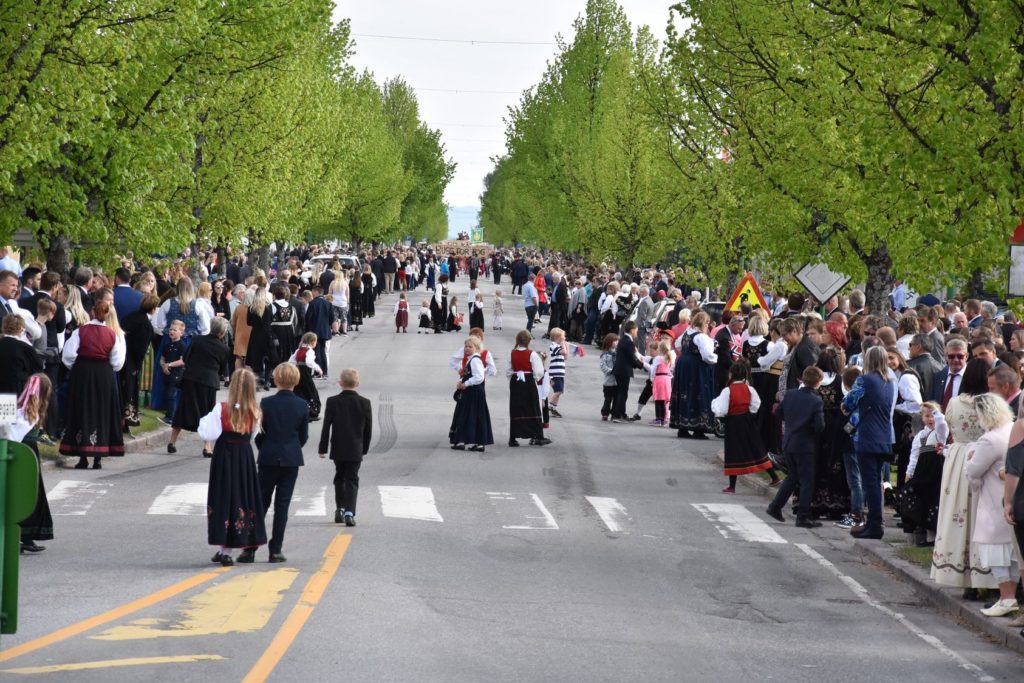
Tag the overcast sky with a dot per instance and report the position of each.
(470, 122)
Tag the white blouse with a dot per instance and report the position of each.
(909, 390)
(704, 344)
(720, 404)
(536, 367)
(203, 314)
(476, 367)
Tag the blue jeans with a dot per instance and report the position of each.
(531, 313)
(870, 472)
(171, 393)
(853, 481)
(590, 327)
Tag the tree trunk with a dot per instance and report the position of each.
(58, 254)
(976, 285)
(880, 281)
(222, 260)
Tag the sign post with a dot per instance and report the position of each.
(747, 292)
(19, 473)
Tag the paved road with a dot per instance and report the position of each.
(609, 555)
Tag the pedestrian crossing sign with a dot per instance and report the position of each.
(746, 292)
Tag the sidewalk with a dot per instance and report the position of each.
(946, 600)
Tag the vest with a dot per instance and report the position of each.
(95, 342)
(739, 398)
(225, 420)
(521, 361)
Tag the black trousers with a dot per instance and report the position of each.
(346, 484)
(801, 472)
(621, 393)
(282, 480)
(609, 399)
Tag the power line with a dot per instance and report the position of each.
(451, 40)
(471, 92)
(471, 125)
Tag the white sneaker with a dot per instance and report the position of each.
(1001, 608)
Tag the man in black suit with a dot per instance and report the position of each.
(1004, 381)
(351, 418)
(947, 382)
(803, 415)
(626, 360)
(285, 431)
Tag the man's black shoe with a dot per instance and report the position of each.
(805, 523)
(775, 514)
(247, 556)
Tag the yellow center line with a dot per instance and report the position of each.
(111, 615)
(106, 664)
(297, 618)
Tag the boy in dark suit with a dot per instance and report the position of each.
(285, 431)
(803, 416)
(626, 360)
(350, 416)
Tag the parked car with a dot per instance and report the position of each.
(714, 309)
(347, 261)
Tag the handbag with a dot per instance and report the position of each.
(457, 396)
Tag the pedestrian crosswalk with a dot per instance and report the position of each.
(511, 510)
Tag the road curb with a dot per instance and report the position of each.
(946, 600)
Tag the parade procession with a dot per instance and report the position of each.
(598, 340)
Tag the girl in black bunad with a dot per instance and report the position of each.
(234, 504)
(764, 356)
(471, 425)
(525, 374)
(304, 359)
(93, 353)
(737, 405)
(32, 405)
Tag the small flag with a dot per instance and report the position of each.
(578, 351)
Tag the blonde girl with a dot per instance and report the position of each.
(233, 502)
(661, 381)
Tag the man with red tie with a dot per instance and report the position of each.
(947, 382)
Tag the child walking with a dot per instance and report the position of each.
(453, 324)
(401, 314)
(498, 310)
(305, 359)
(425, 322)
(738, 404)
(172, 363)
(234, 502)
(661, 381)
(558, 350)
(476, 311)
(607, 364)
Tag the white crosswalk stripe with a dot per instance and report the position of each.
(737, 522)
(180, 499)
(524, 507)
(409, 502)
(70, 497)
(612, 512)
(310, 505)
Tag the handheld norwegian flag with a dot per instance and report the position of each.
(578, 351)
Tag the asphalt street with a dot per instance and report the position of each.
(609, 555)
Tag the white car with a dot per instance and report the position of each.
(348, 261)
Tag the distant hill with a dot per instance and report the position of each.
(462, 218)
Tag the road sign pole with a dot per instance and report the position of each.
(3, 533)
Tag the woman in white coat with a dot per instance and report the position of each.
(992, 536)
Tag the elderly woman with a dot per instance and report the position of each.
(991, 535)
(93, 353)
(952, 564)
(199, 382)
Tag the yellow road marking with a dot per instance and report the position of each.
(112, 615)
(311, 595)
(240, 605)
(110, 663)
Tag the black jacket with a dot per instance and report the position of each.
(19, 362)
(625, 358)
(350, 417)
(803, 414)
(285, 430)
(203, 360)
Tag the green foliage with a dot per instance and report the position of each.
(152, 125)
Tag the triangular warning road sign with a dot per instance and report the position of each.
(746, 292)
